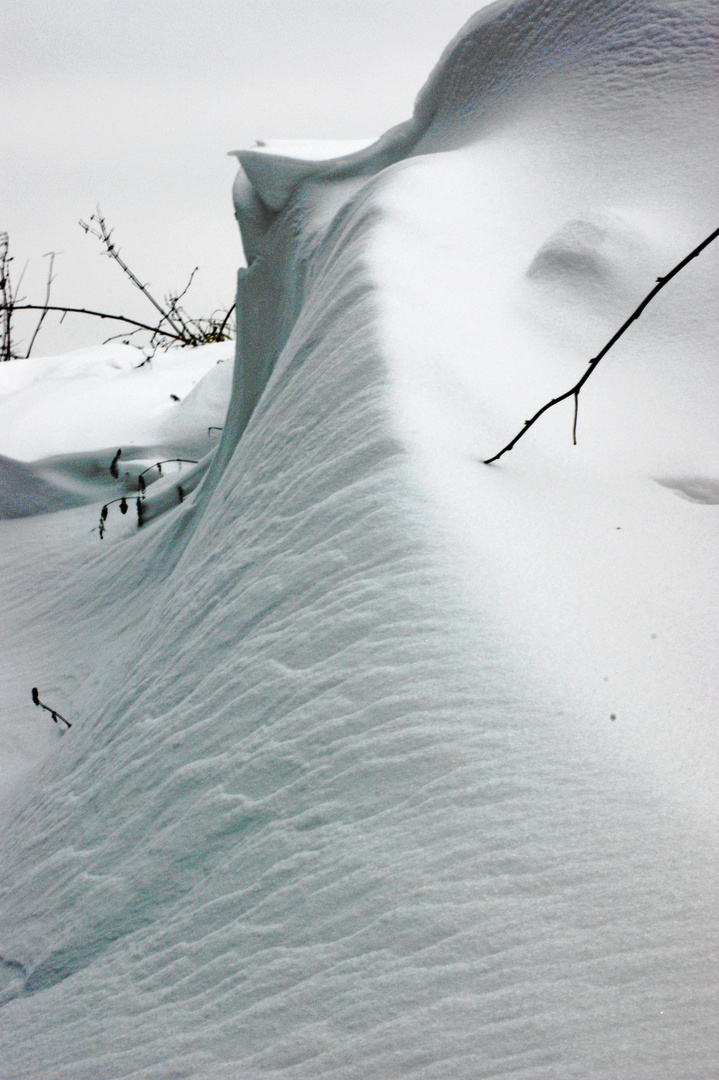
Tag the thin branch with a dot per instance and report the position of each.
(123, 335)
(53, 712)
(575, 390)
(21, 278)
(105, 236)
(176, 299)
(50, 279)
(7, 304)
(97, 314)
(183, 318)
(576, 417)
(141, 489)
(174, 309)
(224, 322)
(167, 461)
(183, 329)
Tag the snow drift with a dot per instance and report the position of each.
(385, 763)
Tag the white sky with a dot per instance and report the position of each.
(134, 104)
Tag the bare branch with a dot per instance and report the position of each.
(181, 327)
(50, 279)
(575, 390)
(167, 461)
(22, 277)
(224, 322)
(8, 302)
(105, 236)
(97, 314)
(53, 712)
(176, 299)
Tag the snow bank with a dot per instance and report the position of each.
(108, 395)
(344, 795)
(23, 492)
(69, 407)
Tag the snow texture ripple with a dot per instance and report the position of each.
(337, 801)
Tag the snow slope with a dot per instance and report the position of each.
(387, 763)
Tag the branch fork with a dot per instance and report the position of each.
(575, 390)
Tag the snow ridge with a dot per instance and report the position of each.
(342, 796)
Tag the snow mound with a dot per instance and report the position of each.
(23, 492)
(94, 397)
(385, 763)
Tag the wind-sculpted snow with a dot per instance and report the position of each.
(23, 492)
(386, 764)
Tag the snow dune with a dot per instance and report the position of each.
(386, 763)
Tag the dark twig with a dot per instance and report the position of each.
(53, 712)
(576, 417)
(575, 390)
(149, 357)
(141, 487)
(104, 235)
(173, 299)
(223, 324)
(97, 314)
(185, 329)
(103, 513)
(181, 327)
(50, 278)
(7, 300)
(168, 461)
(176, 299)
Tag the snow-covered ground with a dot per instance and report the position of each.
(385, 762)
(63, 419)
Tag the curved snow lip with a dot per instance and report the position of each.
(312, 149)
(275, 175)
(13, 977)
(275, 169)
(25, 492)
(696, 489)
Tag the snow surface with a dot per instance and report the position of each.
(310, 149)
(384, 762)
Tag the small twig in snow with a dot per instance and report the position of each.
(53, 712)
(575, 390)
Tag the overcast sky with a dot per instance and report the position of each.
(134, 104)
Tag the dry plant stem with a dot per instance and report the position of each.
(184, 330)
(575, 390)
(105, 235)
(50, 279)
(8, 305)
(98, 315)
(168, 461)
(53, 712)
(176, 312)
(176, 299)
(225, 321)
